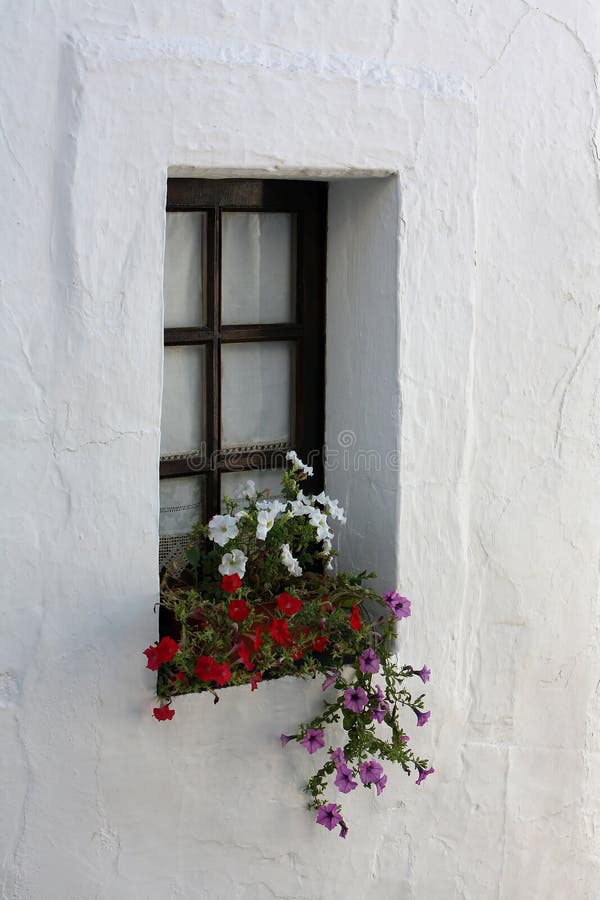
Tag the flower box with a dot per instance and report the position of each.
(263, 601)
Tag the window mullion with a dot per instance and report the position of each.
(214, 363)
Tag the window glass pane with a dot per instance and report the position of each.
(183, 416)
(256, 277)
(232, 483)
(184, 278)
(181, 505)
(256, 392)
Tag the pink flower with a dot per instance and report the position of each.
(313, 740)
(331, 678)
(400, 606)
(338, 757)
(355, 699)
(344, 781)
(423, 773)
(422, 717)
(329, 816)
(379, 785)
(423, 673)
(370, 771)
(368, 661)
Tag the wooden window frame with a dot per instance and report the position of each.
(307, 201)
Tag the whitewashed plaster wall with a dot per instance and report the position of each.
(483, 117)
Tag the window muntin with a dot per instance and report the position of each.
(244, 339)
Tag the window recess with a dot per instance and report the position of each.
(244, 339)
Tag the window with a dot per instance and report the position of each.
(244, 285)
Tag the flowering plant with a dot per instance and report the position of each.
(263, 602)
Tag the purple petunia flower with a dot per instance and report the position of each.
(328, 816)
(331, 679)
(313, 740)
(400, 606)
(338, 757)
(355, 699)
(343, 829)
(381, 784)
(404, 738)
(423, 673)
(286, 738)
(379, 712)
(343, 780)
(423, 773)
(422, 717)
(369, 662)
(379, 705)
(370, 771)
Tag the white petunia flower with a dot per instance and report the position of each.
(318, 520)
(332, 507)
(336, 511)
(266, 520)
(233, 563)
(297, 508)
(222, 528)
(297, 463)
(293, 457)
(291, 564)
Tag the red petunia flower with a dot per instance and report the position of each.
(257, 639)
(221, 673)
(245, 656)
(298, 653)
(280, 632)
(163, 713)
(355, 620)
(231, 583)
(238, 609)
(162, 653)
(288, 605)
(320, 643)
(255, 680)
(204, 668)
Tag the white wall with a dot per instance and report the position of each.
(487, 115)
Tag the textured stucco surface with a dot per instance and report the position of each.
(477, 254)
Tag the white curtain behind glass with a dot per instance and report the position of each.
(257, 268)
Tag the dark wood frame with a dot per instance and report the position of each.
(308, 202)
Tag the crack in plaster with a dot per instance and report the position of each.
(394, 20)
(507, 43)
(595, 77)
(139, 433)
(575, 369)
